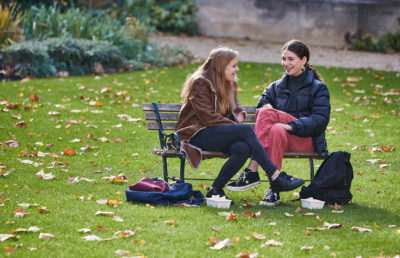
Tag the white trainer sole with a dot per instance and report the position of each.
(270, 203)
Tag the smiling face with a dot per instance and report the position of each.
(231, 69)
(292, 63)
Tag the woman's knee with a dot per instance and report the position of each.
(240, 148)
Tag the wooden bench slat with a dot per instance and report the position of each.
(177, 108)
(174, 117)
(169, 126)
(163, 116)
(166, 126)
(212, 154)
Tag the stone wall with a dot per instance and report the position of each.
(318, 22)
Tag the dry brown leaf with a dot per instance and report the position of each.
(68, 151)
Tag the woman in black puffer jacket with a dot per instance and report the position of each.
(292, 116)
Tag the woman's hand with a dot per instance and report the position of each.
(285, 126)
(240, 117)
(267, 106)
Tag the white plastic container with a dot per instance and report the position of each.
(218, 202)
(311, 203)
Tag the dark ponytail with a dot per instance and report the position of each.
(301, 50)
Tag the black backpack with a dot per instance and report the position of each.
(332, 181)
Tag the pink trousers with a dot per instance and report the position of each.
(276, 140)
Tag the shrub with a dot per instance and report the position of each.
(164, 15)
(365, 41)
(52, 56)
(9, 21)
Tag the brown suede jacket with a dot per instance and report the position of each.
(201, 111)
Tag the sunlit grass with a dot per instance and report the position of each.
(365, 115)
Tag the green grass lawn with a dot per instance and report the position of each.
(85, 114)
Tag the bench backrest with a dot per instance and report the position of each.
(169, 115)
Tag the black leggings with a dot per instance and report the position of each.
(239, 142)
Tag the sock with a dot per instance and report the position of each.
(249, 171)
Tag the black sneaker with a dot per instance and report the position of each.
(246, 180)
(270, 198)
(284, 183)
(216, 191)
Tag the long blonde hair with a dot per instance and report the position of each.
(214, 70)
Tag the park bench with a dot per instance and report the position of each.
(163, 117)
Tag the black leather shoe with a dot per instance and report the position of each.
(284, 183)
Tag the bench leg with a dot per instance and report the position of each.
(311, 162)
(182, 171)
(165, 168)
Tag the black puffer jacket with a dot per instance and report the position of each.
(313, 107)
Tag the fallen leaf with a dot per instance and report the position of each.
(84, 230)
(306, 248)
(222, 244)
(122, 253)
(125, 233)
(228, 215)
(20, 213)
(96, 238)
(171, 222)
(68, 151)
(4, 237)
(105, 213)
(288, 214)
(361, 230)
(334, 225)
(258, 235)
(272, 242)
(46, 236)
(21, 124)
(45, 176)
(244, 254)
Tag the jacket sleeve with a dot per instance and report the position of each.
(238, 107)
(202, 101)
(316, 123)
(268, 96)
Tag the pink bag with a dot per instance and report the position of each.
(146, 184)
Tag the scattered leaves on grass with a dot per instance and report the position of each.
(361, 230)
(272, 242)
(30, 229)
(222, 244)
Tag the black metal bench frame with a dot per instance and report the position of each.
(162, 117)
